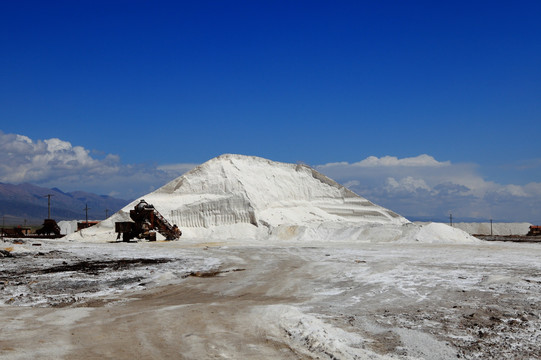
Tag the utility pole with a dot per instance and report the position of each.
(86, 211)
(48, 196)
(490, 227)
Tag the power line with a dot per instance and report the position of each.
(86, 211)
(48, 196)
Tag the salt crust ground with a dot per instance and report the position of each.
(252, 300)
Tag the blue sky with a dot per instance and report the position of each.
(141, 85)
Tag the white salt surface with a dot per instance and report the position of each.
(34, 250)
(305, 330)
(356, 300)
(245, 197)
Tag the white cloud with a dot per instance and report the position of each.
(417, 161)
(513, 190)
(29, 161)
(407, 184)
(57, 163)
(424, 186)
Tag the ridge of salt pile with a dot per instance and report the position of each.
(248, 197)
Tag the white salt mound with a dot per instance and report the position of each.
(438, 233)
(247, 197)
(67, 226)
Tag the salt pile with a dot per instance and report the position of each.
(247, 197)
(67, 226)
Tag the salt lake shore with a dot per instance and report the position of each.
(276, 261)
(195, 300)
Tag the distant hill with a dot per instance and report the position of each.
(29, 202)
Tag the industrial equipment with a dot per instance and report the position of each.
(146, 221)
(535, 230)
(15, 231)
(49, 229)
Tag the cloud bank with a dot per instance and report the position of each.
(423, 187)
(57, 163)
(416, 187)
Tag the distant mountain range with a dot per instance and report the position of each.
(27, 202)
